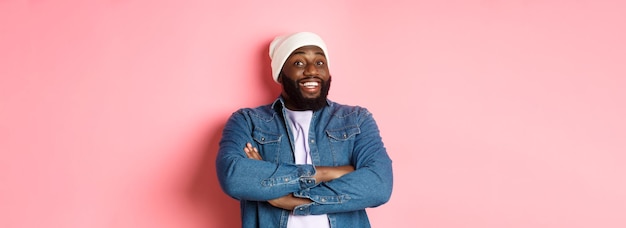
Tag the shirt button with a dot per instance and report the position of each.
(286, 179)
(323, 199)
(312, 140)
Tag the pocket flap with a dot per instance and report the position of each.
(343, 133)
(263, 137)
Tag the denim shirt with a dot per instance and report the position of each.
(339, 135)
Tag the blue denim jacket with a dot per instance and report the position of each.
(339, 135)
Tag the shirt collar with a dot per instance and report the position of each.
(280, 103)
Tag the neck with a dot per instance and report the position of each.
(309, 105)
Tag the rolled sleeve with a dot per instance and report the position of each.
(303, 176)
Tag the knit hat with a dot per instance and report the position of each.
(282, 47)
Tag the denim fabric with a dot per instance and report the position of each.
(339, 135)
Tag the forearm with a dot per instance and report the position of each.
(289, 202)
(329, 173)
(370, 185)
(260, 180)
(358, 190)
(322, 174)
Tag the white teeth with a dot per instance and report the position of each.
(310, 84)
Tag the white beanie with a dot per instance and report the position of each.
(282, 47)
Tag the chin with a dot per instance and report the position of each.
(311, 97)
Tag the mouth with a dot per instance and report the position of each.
(310, 86)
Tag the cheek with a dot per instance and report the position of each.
(324, 72)
(292, 72)
(324, 69)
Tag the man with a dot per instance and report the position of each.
(303, 161)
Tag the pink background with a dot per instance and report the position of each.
(496, 113)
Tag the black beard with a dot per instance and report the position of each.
(295, 98)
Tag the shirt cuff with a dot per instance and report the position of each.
(305, 173)
(304, 209)
(302, 177)
(331, 199)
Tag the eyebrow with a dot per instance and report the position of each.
(302, 52)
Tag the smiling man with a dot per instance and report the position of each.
(305, 79)
(303, 161)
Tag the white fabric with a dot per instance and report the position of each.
(300, 122)
(282, 47)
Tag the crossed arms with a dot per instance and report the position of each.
(323, 174)
(366, 182)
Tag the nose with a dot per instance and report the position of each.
(310, 70)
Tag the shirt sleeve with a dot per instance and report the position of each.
(370, 185)
(248, 179)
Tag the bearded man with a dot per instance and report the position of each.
(303, 160)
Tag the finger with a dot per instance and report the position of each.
(255, 153)
(249, 146)
(248, 150)
(248, 153)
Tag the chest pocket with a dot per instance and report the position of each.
(343, 134)
(342, 143)
(267, 143)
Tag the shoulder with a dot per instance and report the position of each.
(343, 110)
(261, 112)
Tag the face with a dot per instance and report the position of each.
(305, 79)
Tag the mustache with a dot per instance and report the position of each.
(311, 77)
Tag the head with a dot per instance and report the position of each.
(300, 65)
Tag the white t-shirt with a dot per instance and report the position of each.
(300, 121)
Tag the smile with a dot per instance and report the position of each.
(310, 85)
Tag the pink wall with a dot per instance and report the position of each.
(496, 113)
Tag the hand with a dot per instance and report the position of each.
(288, 202)
(252, 152)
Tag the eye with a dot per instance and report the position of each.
(298, 63)
(319, 63)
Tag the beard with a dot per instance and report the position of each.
(295, 97)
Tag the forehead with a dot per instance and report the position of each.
(307, 50)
